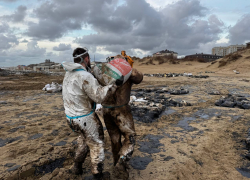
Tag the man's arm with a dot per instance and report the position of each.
(136, 77)
(95, 91)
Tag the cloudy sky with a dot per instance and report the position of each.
(34, 30)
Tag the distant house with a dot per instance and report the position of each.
(248, 45)
(166, 53)
(45, 66)
(23, 68)
(206, 57)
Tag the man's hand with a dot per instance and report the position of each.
(119, 81)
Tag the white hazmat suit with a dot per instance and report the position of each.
(80, 93)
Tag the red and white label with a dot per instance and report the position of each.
(121, 65)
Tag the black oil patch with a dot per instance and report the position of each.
(36, 136)
(3, 142)
(50, 167)
(9, 164)
(14, 168)
(185, 125)
(15, 129)
(244, 172)
(55, 132)
(61, 143)
(140, 163)
(100, 167)
(151, 144)
(168, 158)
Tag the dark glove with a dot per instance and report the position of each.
(119, 81)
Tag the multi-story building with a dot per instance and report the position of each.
(223, 51)
(166, 53)
(234, 48)
(220, 51)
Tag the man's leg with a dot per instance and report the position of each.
(82, 148)
(124, 120)
(81, 153)
(95, 141)
(115, 135)
(125, 123)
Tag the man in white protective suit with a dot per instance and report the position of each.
(81, 91)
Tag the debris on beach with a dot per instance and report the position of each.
(53, 87)
(233, 100)
(236, 72)
(178, 91)
(176, 75)
(147, 105)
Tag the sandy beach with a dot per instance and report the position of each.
(185, 142)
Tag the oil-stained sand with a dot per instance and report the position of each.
(201, 141)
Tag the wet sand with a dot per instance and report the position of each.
(202, 141)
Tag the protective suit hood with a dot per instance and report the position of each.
(71, 66)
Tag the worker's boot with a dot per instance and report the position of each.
(77, 169)
(121, 170)
(102, 176)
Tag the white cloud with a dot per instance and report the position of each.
(239, 33)
(33, 53)
(159, 4)
(8, 41)
(17, 16)
(173, 27)
(33, 50)
(4, 28)
(62, 47)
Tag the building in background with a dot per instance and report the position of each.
(220, 51)
(46, 66)
(23, 68)
(223, 51)
(204, 57)
(248, 45)
(166, 53)
(234, 48)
